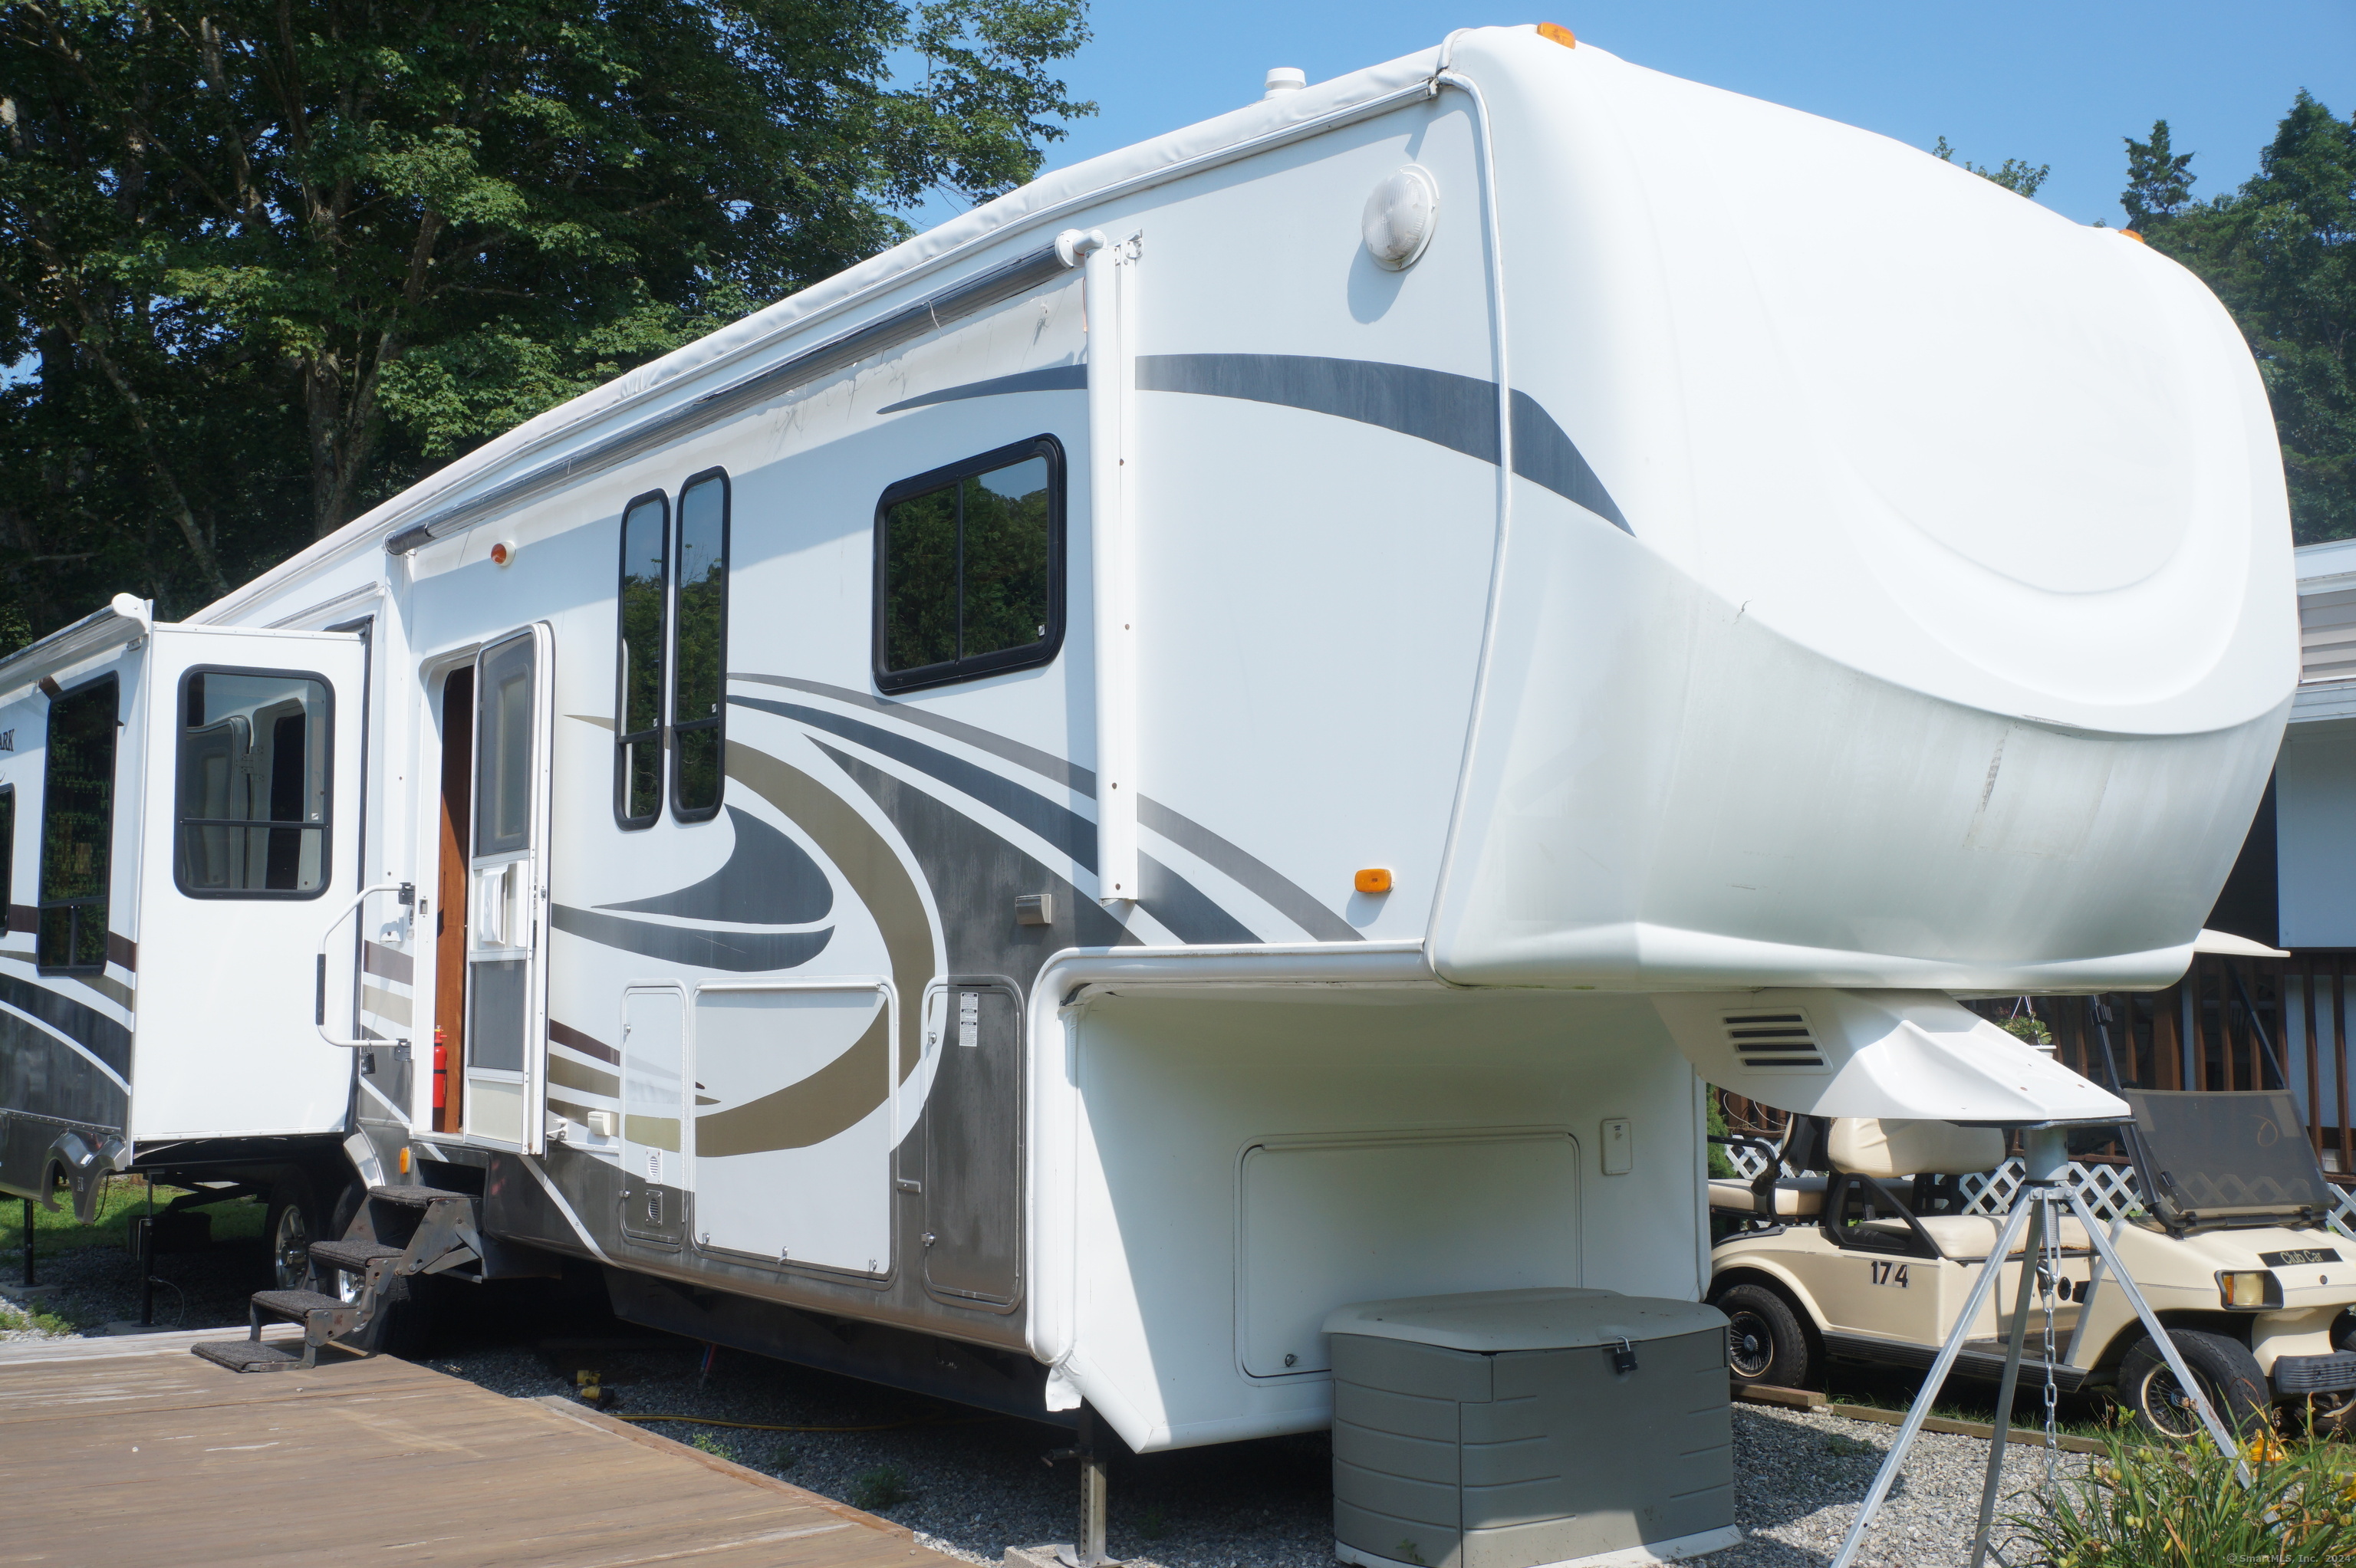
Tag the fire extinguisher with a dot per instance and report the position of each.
(441, 1069)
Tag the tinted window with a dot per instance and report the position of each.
(8, 846)
(699, 690)
(970, 568)
(503, 760)
(252, 788)
(77, 826)
(638, 728)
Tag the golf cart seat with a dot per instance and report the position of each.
(1796, 1197)
(1967, 1238)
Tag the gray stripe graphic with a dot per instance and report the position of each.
(1187, 909)
(1054, 378)
(1067, 830)
(737, 951)
(1288, 898)
(1458, 413)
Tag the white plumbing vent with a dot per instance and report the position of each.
(1284, 79)
(1765, 1039)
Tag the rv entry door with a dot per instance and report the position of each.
(251, 843)
(507, 893)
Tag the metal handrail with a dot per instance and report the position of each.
(408, 893)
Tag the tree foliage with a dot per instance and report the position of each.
(264, 265)
(2013, 173)
(2281, 253)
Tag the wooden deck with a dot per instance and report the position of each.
(134, 1451)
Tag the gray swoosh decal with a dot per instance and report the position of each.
(737, 952)
(1187, 909)
(1280, 893)
(1047, 764)
(1054, 378)
(101, 1036)
(1066, 830)
(1458, 413)
(768, 879)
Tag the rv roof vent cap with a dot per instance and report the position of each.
(1284, 79)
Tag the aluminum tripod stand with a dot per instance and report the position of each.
(2045, 1186)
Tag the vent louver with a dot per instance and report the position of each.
(1768, 1040)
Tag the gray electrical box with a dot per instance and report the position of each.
(1514, 1428)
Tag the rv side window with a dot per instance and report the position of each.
(254, 787)
(638, 682)
(77, 826)
(969, 568)
(699, 695)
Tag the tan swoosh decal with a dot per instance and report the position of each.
(876, 876)
(588, 1079)
(835, 1097)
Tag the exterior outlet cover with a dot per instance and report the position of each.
(1035, 908)
(1618, 1146)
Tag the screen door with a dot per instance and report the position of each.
(506, 914)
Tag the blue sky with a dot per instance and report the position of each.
(2059, 82)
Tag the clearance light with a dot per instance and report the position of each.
(404, 1162)
(2134, 236)
(1375, 879)
(1553, 32)
(502, 553)
(2249, 1289)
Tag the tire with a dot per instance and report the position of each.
(1765, 1341)
(294, 1224)
(2224, 1369)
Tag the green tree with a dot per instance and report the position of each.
(264, 265)
(2281, 253)
(2013, 173)
(2159, 181)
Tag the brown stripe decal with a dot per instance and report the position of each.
(573, 1038)
(122, 951)
(24, 917)
(875, 874)
(588, 1079)
(835, 1097)
(393, 965)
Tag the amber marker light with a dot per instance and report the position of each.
(2247, 1290)
(1555, 32)
(404, 1162)
(502, 553)
(1375, 879)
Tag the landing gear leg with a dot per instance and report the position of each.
(1088, 1548)
(28, 1241)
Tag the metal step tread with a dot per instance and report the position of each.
(296, 1304)
(354, 1256)
(248, 1355)
(420, 1195)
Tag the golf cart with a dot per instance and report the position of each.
(2229, 1244)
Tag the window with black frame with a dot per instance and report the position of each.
(699, 702)
(252, 788)
(77, 826)
(969, 568)
(645, 611)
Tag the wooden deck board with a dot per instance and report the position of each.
(382, 1457)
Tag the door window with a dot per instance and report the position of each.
(503, 760)
(252, 795)
(77, 826)
(7, 847)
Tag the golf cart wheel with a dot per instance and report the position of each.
(1764, 1341)
(292, 1226)
(2224, 1369)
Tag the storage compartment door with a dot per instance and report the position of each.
(654, 1101)
(793, 1123)
(252, 847)
(973, 1147)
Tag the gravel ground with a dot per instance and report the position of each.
(972, 1485)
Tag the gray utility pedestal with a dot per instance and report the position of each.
(1513, 1428)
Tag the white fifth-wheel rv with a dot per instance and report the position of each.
(1035, 817)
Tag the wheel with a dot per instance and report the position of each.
(2222, 1368)
(292, 1226)
(1764, 1340)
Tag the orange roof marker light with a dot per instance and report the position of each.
(1557, 32)
(1375, 879)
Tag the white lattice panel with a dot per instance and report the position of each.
(2108, 1190)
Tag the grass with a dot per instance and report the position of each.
(2079, 1416)
(710, 1445)
(58, 1232)
(886, 1486)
